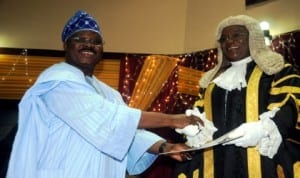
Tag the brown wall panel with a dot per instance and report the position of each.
(18, 72)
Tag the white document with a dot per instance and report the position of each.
(223, 139)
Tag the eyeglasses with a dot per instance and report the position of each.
(234, 37)
(80, 40)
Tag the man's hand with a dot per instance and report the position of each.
(162, 147)
(183, 120)
(158, 120)
(179, 156)
(249, 134)
(199, 134)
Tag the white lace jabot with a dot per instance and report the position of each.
(234, 76)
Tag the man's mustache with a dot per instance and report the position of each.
(90, 49)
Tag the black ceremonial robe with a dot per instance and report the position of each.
(229, 109)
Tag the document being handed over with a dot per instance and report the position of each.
(223, 139)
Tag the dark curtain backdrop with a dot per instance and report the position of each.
(287, 44)
(130, 68)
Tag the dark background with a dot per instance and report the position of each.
(252, 2)
(8, 126)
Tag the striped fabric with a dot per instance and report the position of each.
(66, 129)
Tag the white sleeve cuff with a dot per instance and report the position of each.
(269, 144)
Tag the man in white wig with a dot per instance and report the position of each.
(253, 92)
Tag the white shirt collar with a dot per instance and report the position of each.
(234, 77)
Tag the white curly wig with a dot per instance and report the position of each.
(269, 61)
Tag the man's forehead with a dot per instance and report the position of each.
(235, 28)
(87, 32)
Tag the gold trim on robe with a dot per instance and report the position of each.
(208, 153)
(252, 114)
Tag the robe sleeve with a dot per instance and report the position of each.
(110, 127)
(285, 94)
(138, 157)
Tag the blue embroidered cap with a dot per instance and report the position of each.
(79, 22)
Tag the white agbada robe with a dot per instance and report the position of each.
(67, 129)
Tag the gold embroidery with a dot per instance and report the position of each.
(284, 89)
(196, 173)
(283, 102)
(181, 175)
(199, 103)
(208, 169)
(274, 83)
(297, 169)
(254, 164)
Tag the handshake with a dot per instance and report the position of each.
(200, 133)
(262, 133)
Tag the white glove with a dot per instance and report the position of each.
(268, 146)
(190, 130)
(197, 135)
(263, 133)
(250, 134)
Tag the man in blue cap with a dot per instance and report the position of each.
(71, 125)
